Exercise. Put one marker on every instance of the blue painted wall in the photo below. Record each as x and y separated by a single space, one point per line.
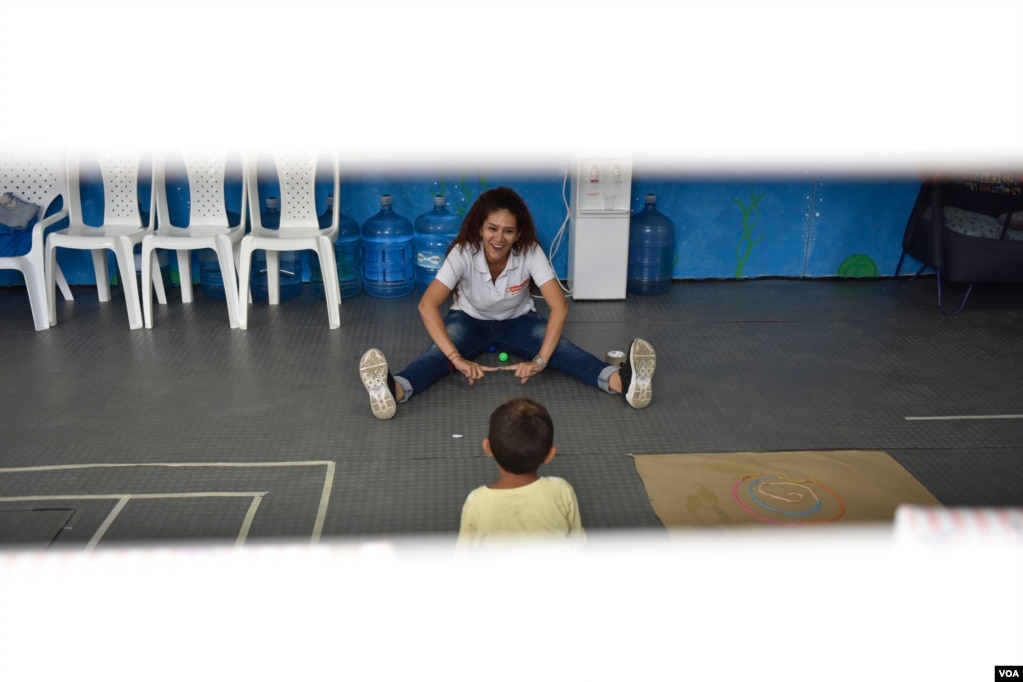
793 227
783 227
725 227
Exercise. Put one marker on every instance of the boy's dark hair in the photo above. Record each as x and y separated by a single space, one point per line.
521 435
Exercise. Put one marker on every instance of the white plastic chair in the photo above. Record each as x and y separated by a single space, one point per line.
121 230
208 228
299 230
37 178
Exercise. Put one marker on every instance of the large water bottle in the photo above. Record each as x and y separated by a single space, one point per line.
651 250
347 252
290 261
291 275
211 280
434 232
388 253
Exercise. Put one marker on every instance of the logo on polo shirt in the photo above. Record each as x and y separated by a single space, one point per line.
518 287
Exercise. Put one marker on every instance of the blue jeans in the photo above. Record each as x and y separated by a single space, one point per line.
520 336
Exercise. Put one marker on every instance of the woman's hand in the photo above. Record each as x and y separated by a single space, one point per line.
523 370
471 370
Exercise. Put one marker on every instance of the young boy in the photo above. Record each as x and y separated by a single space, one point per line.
520 504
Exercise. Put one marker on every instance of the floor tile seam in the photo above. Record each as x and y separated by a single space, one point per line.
952 449
832 448
702 322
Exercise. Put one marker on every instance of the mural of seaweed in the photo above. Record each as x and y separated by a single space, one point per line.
858 265
750 219
461 195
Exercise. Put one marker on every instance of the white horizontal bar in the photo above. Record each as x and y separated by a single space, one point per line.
967 416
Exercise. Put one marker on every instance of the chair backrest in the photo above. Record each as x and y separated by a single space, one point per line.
296 175
119 171
37 178
296 172
206 172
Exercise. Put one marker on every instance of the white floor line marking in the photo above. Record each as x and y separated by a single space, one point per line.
136 496
56 467
122 499
321 512
243 532
107 522
966 416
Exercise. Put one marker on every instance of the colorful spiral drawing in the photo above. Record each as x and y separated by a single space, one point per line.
793 502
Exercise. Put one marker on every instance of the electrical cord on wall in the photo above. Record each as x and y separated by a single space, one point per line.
559 237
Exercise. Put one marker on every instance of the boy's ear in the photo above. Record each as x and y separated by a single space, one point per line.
550 455
486 448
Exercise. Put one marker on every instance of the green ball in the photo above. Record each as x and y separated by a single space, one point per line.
503 357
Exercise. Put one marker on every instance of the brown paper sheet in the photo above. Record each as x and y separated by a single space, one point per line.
781 489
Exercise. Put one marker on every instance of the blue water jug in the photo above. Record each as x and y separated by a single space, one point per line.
388 253
290 261
291 275
347 252
434 231
211 280
651 250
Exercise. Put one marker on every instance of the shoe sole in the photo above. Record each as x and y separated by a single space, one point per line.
373 372
643 360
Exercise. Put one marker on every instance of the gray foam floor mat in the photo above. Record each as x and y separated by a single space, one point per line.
763 365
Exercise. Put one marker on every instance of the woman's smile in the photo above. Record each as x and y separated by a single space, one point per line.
499 233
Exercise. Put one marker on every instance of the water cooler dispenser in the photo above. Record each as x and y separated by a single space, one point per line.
598 247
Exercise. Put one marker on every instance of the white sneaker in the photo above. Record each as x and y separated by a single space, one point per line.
377 380
637 374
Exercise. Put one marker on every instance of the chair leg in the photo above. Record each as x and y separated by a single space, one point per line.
35 282
126 268
225 257
331 285
62 283
185 275
157 277
51 289
99 266
962 304
244 294
148 254
236 247
273 276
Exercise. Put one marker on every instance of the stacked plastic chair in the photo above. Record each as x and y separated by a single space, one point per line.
123 227
299 229
36 178
209 227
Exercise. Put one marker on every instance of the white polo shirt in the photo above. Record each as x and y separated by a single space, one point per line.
504 299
